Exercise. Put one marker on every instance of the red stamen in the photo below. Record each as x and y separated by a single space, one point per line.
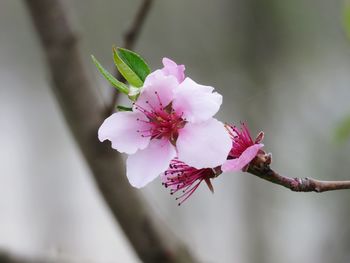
241 139
181 177
163 122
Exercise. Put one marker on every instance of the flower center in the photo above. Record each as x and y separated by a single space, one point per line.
163 122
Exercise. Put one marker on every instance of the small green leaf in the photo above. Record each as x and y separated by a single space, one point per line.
135 62
123 108
346 18
342 132
131 65
108 76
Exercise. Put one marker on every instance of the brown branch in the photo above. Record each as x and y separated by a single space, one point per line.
133 32
260 167
84 114
130 38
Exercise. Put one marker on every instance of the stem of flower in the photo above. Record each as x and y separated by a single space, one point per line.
260 167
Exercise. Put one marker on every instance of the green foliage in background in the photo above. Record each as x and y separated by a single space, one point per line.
342 132
346 18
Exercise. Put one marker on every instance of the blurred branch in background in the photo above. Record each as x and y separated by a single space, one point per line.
130 38
84 114
11 257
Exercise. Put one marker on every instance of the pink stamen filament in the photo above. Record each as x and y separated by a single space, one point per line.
186 195
241 139
181 177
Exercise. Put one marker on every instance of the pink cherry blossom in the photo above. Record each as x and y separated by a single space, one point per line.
171 68
173 116
243 150
185 179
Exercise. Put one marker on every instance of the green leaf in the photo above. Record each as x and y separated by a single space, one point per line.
346 18
123 108
342 132
108 76
131 65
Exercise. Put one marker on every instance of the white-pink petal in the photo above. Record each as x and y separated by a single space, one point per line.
121 129
145 165
196 102
157 92
239 163
171 68
203 145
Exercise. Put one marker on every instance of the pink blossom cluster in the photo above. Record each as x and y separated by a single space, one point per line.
171 131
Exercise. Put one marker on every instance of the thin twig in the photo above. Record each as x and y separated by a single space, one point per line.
260 167
133 32
130 38
84 113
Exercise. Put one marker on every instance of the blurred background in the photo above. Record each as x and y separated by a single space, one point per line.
282 66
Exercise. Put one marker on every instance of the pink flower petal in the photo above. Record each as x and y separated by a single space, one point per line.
145 165
246 157
157 92
153 76
121 129
203 145
196 102
171 68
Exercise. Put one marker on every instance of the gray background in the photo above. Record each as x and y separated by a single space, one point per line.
282 66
